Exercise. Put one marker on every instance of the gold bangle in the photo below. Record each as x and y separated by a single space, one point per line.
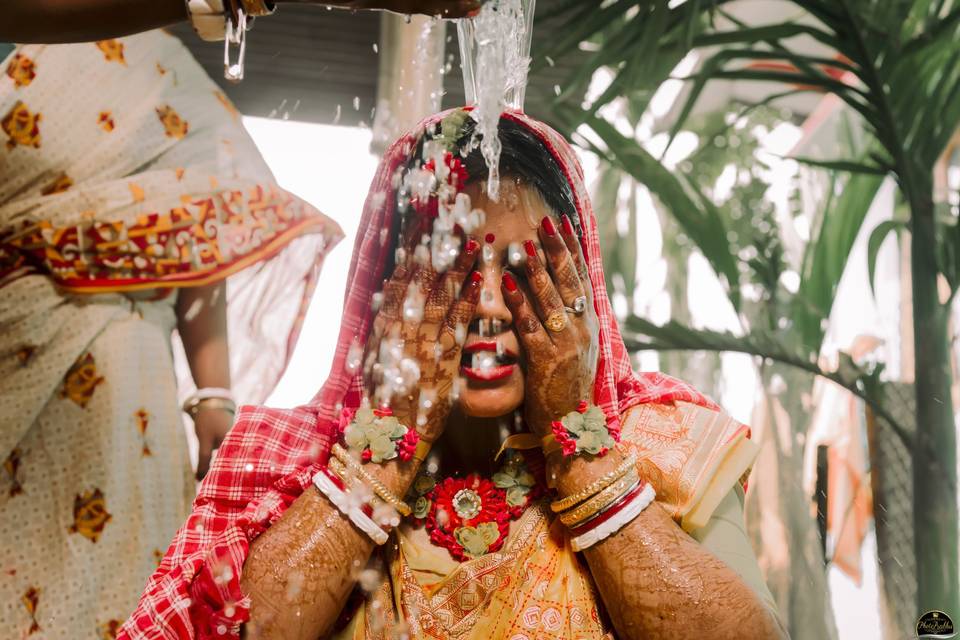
195 407
348 478
379 489
257 7
595 486
600 500
422 450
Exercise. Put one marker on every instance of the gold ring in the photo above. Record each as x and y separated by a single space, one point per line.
556 321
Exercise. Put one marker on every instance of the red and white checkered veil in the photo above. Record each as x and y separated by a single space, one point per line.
270 456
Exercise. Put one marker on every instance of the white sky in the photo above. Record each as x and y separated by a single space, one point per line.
331 167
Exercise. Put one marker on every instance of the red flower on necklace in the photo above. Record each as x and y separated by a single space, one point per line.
470 516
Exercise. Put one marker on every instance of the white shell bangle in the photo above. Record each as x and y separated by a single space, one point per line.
342 501
617 522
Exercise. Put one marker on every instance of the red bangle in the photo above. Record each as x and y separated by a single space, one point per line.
610 511
335 479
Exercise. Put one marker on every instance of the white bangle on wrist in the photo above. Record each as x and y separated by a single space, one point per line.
617 522
341 500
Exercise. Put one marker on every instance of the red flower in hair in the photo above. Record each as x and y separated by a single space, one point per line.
456 177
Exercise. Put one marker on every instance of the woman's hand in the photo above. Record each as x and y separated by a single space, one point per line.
441 8
211 425
560 345
403 337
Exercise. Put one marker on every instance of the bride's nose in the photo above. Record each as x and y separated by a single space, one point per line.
492 305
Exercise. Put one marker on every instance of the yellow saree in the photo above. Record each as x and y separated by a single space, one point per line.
537 586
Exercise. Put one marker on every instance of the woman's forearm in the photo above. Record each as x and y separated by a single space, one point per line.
658 582
301 570
55 21
202 323
59 21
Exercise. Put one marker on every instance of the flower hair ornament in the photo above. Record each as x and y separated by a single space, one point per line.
583 430
378 435
431 189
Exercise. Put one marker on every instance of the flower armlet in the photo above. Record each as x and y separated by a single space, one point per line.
378 435
583 430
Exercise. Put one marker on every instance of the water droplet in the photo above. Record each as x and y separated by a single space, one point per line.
354 357
413 305
515 255
356 103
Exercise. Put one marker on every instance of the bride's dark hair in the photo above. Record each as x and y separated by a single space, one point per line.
524 156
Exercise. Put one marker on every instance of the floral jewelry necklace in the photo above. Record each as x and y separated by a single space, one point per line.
470 517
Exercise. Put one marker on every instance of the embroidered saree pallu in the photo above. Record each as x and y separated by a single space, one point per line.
527 585
124 175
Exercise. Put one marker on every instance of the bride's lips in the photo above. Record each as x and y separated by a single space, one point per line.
488 375
505 362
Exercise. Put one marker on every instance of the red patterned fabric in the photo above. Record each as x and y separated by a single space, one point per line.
270 455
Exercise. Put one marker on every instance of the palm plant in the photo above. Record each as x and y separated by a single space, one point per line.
896 65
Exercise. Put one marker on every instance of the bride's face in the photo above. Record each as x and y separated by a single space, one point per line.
492 371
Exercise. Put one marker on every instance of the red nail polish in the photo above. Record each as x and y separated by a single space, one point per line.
548 226
567 226
530 248
476 277
509 282
489 238
457 229
472 245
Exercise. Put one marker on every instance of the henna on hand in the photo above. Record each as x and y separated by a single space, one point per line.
560 363
430 340
658 582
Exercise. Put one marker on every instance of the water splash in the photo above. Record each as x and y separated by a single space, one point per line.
495 50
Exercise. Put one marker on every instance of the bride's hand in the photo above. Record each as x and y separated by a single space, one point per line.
432 340
560 345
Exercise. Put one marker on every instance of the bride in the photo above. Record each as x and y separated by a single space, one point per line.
487 464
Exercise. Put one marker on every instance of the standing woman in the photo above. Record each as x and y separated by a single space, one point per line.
129 192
